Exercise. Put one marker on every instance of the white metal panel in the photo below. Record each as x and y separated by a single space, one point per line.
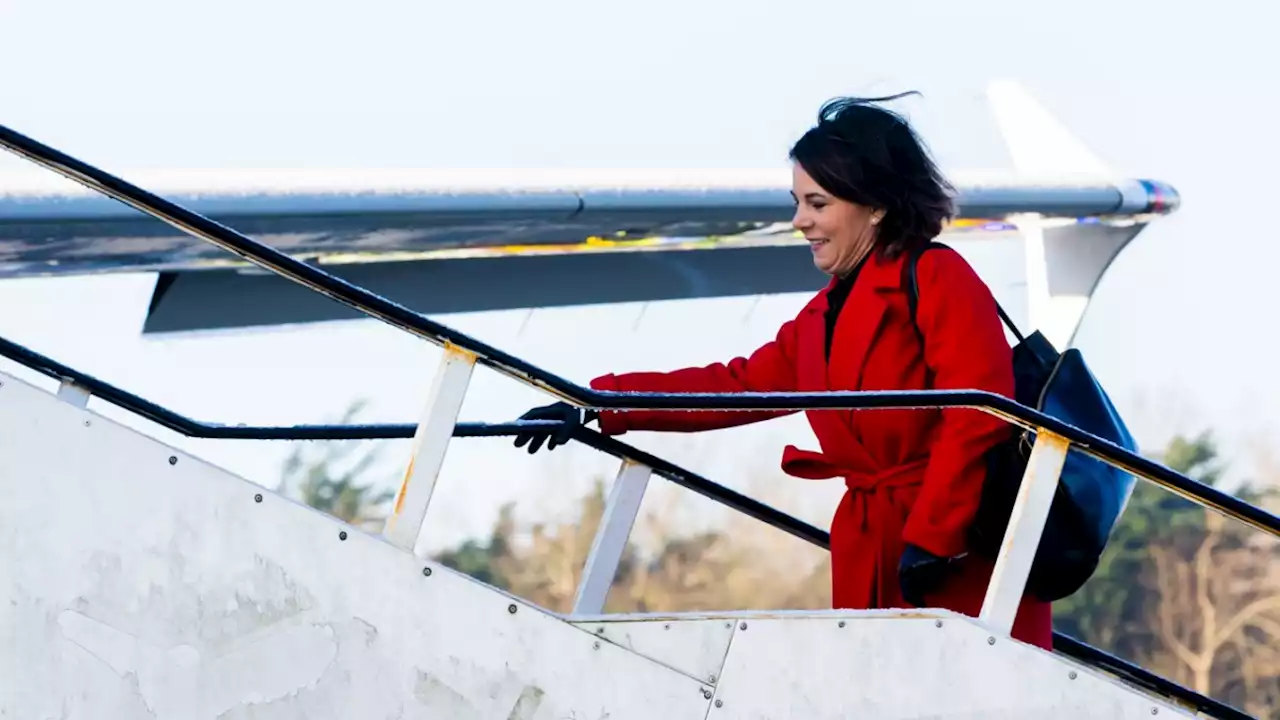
882 666
139 582
695 646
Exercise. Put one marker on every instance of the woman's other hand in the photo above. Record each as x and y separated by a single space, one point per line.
920 572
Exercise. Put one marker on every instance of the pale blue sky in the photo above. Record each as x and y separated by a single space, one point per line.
1183 92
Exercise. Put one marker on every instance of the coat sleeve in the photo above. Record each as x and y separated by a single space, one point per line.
965 348
771 368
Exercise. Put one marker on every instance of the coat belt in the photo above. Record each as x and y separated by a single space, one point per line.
864 487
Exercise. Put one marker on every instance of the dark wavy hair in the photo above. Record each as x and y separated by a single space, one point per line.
868 155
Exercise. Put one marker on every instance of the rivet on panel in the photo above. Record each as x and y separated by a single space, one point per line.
426 572
342 535
706 693
173 459
1155 711
991 641
711 678
743 626
937 623
257 497
719 703
86 423
1072 675
667 626
600 630
840 624
596 645
511 608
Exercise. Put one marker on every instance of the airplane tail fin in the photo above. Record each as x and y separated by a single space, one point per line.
1038 143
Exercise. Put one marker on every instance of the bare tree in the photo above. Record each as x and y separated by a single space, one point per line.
1206 603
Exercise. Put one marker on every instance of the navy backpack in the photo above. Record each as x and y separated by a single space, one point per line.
1091 494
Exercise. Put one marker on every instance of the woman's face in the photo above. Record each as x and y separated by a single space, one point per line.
840 233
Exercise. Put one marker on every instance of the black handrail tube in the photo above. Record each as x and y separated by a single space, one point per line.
707 488
405 319
1176 482
392 431
667 470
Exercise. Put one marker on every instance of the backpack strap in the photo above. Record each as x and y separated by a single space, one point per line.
913 290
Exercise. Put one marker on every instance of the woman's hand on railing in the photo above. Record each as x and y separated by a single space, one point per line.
570 418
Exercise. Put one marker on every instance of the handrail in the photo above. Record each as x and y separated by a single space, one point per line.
192 428
399 316
462 351
716 492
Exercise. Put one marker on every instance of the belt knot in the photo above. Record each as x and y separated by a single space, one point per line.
864 487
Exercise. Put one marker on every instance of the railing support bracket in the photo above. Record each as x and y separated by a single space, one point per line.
619 516
74 393
1022 538
430 443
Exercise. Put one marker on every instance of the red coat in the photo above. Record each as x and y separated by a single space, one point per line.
911 475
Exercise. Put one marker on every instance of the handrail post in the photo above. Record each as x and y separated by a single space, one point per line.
430 442
1022 538
619 516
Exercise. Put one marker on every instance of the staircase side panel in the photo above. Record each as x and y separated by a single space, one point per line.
910 667
139 582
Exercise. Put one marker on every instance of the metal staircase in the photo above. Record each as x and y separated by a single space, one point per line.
443 650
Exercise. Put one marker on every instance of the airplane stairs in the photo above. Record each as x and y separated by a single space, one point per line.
142 582
138 581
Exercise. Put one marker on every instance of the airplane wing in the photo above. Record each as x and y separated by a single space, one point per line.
443 241
452 241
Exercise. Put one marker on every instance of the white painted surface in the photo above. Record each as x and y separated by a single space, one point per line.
139 582
133 588
619 517
905 666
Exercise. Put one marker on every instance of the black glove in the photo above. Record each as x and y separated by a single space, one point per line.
920 572
570 417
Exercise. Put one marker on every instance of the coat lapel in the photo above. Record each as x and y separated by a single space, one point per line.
829 426
811 341
855 333
858 325
856 330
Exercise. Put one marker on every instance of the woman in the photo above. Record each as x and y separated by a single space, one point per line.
867 194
